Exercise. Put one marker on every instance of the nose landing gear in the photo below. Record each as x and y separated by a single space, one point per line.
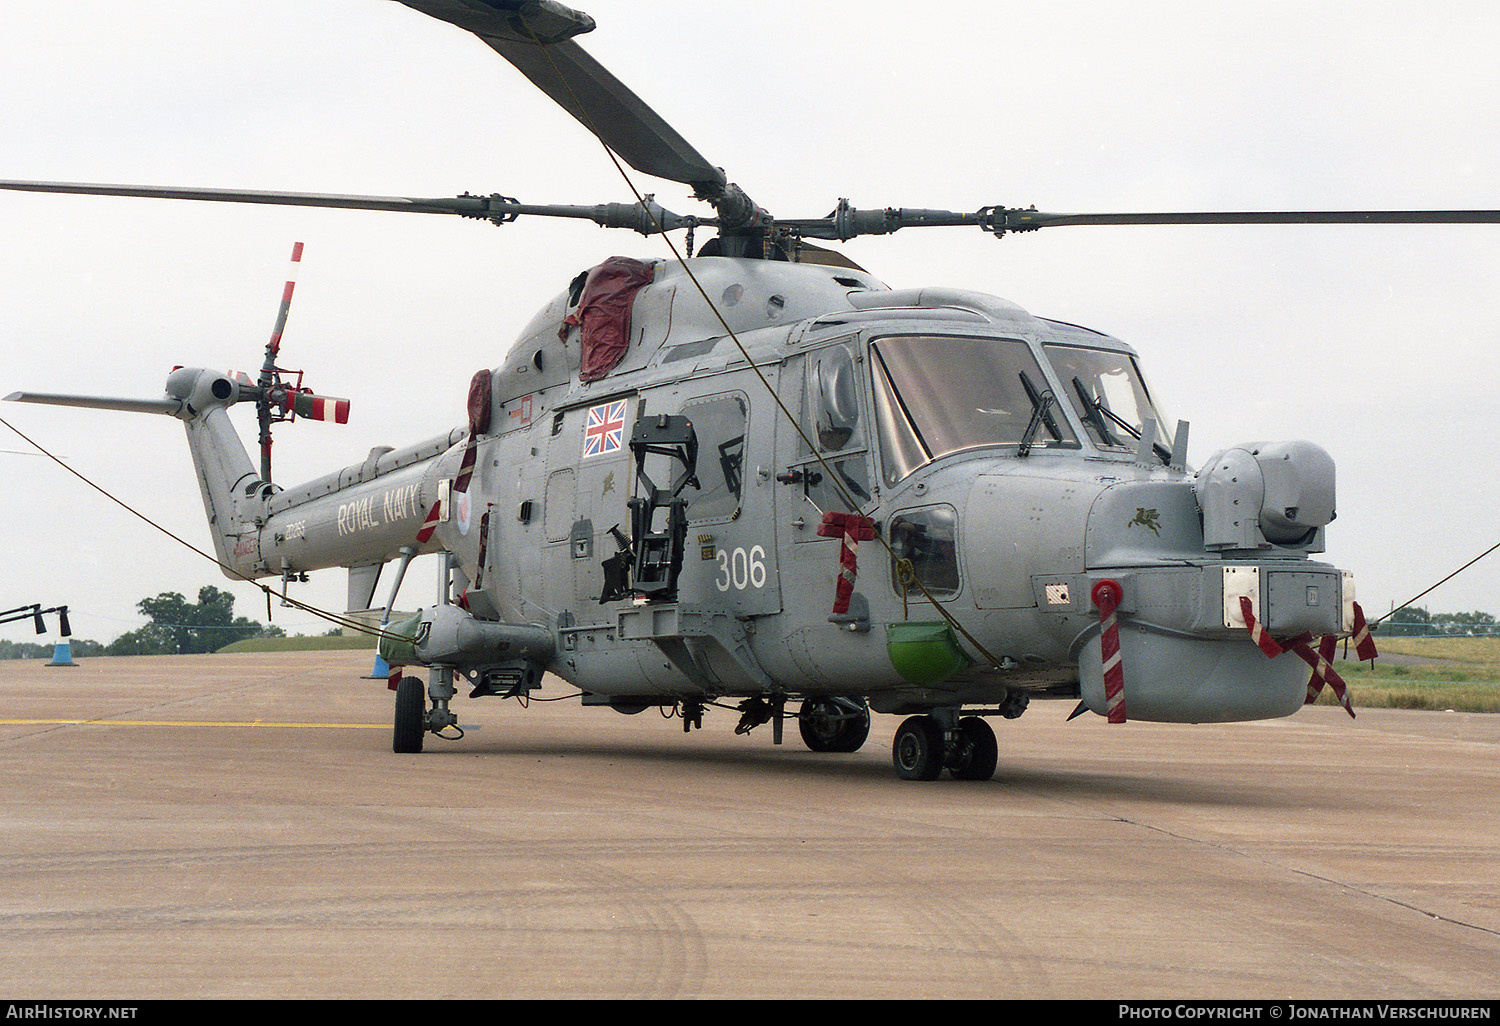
411 716
926 745
413 720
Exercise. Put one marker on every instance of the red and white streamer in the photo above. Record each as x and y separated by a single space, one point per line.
1364 644
479 423
430 524
853 529
1258 632
1321 660
1322 671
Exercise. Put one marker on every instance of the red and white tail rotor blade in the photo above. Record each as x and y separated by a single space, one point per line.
319 407
269 378
274 346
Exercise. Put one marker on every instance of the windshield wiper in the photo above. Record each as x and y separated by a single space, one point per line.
1094 412
1041 405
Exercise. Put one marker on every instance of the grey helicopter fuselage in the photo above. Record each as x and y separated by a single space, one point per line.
763 475
958 423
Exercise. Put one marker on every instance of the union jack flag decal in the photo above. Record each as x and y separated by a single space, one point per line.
604 430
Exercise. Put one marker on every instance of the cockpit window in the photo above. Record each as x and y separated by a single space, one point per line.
833 406
937 395
835 470
1107 392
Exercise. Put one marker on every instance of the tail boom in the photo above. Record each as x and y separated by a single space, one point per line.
364 514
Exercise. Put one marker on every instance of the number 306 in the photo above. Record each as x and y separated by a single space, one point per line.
741 569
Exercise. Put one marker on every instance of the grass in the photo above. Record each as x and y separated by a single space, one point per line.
300 644
1480 651
1462 675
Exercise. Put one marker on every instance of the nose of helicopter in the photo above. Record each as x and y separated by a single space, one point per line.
1181 643
1176 678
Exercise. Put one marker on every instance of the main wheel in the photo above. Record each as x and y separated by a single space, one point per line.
411 716
919 749
976 753
833 724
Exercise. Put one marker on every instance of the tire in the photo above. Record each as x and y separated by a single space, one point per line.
977 752
411 717
834 724
918 750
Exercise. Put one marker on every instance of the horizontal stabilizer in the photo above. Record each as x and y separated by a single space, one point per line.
171 407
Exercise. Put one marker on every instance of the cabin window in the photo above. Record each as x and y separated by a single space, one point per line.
926 540
1106 390
937 395
719 425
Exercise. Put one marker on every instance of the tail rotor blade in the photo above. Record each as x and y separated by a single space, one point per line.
319 407
274 346
268 375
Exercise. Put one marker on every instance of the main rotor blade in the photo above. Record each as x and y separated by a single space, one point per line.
580 85
1003 219
469 206
847 222
499 209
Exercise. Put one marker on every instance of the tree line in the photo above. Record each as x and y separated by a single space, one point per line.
176 627
1416 622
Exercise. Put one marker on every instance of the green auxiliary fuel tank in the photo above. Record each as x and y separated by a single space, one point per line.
924 653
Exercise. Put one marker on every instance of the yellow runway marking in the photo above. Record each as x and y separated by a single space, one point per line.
191 723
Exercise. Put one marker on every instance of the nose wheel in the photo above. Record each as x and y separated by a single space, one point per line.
975 752
411 716
925 746
413 719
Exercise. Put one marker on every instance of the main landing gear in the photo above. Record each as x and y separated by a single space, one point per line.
926 745
834 724
826 723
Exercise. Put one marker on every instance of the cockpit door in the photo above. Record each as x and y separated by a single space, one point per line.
824 466
828 461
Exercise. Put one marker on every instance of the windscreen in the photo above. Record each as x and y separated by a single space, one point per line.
937 395
1106 390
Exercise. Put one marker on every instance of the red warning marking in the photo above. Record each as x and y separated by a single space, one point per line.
1107 595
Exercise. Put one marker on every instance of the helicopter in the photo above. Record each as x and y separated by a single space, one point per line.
793 484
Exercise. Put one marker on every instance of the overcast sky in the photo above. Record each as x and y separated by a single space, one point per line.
1379 343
